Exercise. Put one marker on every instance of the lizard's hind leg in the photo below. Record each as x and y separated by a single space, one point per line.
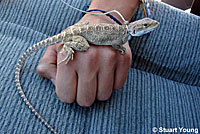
69 55
78 43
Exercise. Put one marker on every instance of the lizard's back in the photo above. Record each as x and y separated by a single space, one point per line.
100 34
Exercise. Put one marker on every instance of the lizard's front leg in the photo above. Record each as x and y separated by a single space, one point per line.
118 44
121 48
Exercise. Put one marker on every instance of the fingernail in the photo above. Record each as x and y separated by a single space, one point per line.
53 81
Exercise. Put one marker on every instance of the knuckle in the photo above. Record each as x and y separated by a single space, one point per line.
41 69
104 97
118 86
65 98
111 55
92 58
93 54
126 59
86 103
110 58
104 92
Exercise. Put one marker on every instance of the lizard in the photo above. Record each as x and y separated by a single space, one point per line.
78 37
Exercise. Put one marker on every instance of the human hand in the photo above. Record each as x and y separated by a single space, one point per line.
92 74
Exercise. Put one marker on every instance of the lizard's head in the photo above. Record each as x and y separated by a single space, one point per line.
142 26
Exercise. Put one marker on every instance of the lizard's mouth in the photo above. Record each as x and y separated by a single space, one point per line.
142 26
142 31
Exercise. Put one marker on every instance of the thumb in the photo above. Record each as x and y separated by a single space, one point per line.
47 66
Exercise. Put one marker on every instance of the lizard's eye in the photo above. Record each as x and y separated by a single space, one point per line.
145 25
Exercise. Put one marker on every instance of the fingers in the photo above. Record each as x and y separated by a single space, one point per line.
87 76
91 75
87 88
106 75
105 85
66 81
122 68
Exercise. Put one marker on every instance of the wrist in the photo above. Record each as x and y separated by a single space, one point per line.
126 7
93 19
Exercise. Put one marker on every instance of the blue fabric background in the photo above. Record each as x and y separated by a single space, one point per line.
162 89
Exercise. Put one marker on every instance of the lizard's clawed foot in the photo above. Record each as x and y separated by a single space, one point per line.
123 50
70 54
